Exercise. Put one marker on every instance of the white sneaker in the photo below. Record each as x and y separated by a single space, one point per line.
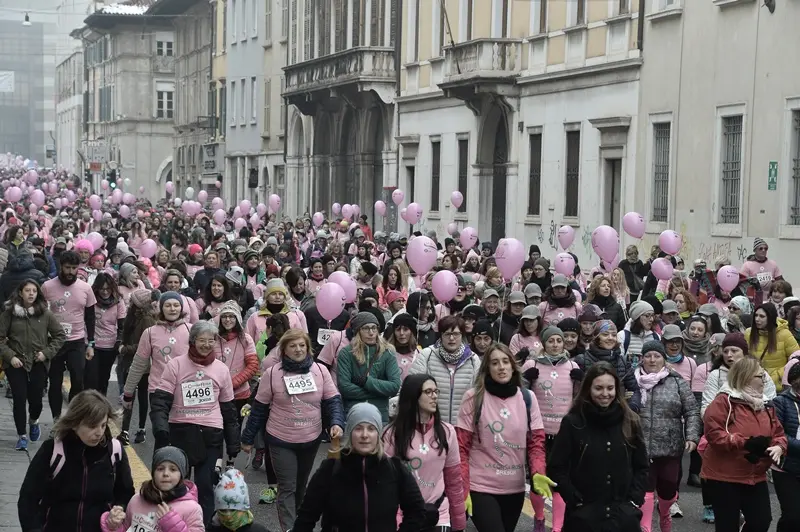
675 510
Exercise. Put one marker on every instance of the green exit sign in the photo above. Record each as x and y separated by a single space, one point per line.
772 180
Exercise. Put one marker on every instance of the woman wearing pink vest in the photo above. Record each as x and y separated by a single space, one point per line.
527 336
237 351
292 398
275 295
554 380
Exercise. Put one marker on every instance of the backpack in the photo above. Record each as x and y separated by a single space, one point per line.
57 458
626 341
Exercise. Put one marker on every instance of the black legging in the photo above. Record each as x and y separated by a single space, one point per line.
489 511
98 370
787 487
144 403
71 356
26 387
729 498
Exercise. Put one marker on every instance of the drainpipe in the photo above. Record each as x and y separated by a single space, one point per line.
398 39
640 29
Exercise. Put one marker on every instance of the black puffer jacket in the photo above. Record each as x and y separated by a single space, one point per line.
19 268
86 486
506 327
336 494
612 309
787 404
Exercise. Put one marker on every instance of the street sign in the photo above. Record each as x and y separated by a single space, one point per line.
772 182
96 167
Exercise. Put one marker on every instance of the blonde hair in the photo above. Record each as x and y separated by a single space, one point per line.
377 451
292 335
591 292
742 372
89 408
620 287
494 272
358 348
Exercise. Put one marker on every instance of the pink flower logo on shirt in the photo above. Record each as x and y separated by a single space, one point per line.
227 350
554 374
505 413
199 375
67 293
424 448
404 361
560 316
173 341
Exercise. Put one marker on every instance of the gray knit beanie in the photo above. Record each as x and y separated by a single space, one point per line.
654 345
363 318
174 455
362 413
551 331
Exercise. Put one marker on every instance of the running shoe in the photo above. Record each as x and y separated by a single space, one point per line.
22 444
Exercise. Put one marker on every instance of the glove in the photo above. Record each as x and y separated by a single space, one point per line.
577 374
361 380
468 505
541 485
245 411
523 354
754 282
757 445
531 374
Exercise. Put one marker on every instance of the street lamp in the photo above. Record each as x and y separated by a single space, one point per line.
27 21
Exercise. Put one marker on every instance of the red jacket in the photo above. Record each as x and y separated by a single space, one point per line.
729 422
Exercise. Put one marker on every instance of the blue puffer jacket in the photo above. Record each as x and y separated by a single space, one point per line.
787 406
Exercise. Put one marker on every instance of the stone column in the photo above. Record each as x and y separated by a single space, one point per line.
481 202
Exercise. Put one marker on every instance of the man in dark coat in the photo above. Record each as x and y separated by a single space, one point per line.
19 268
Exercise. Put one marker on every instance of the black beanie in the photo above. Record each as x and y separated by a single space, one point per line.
484 327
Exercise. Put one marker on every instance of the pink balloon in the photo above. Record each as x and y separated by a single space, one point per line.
380 208
565 264
605 242
52 187
509 256
336 208
468 237
457 198
670 242
141 190
347 211
566 235
403 213
32 177
148 248
202 196
413 213
255 221
95 202
330 301
37 198
452 228
444 285
95 238
219 217
347 283
170 187
116 196
127 198
237 212
217 203
261 209
608 266
421 254
398 196
239 223
97 215
139 213
104 184
245 207
218 184
356 209
317 219
275 202
14 194
125 211
633 224
728 278
662 269
57 203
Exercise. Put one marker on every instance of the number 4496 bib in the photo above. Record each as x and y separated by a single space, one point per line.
197 393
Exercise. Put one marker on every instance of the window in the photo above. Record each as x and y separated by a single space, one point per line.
214 28
731 168
267 105
325 28
415 55
233 103
340 19
576 13
377 22
573 172
463 171
283 104
392 19
308 30
468 21
623 7
212 104
254 16
534 174
661 157
164 48
436 173
794 211
242 100
223 110
165 100
539 17
359 7
442 23
253 100
284 18
293 37
234 27
224 27
268 21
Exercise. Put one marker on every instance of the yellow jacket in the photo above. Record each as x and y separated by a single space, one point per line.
774 361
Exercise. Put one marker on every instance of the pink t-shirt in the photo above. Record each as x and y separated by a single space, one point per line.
257 323
427 465
232 352
296 417
553 390
105 331
197 391
765 272
497 461
533 343
161 344
126 291
330 351
404 362
68 303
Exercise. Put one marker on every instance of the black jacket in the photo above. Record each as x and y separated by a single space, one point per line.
598 473
86 486
594 354
19 268
254 527
203 277
612 309
786 408
315 322
506 327
336 494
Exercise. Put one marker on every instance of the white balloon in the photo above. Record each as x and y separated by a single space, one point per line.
127 182
177 202
189 193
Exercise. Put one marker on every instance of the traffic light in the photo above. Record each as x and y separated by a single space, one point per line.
88 175
112 179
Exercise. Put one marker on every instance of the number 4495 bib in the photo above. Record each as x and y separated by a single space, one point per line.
297 384
197 393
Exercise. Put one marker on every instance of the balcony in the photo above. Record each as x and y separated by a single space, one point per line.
163 64
345 76
482 67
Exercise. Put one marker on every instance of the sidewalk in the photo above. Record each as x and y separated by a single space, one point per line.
14 464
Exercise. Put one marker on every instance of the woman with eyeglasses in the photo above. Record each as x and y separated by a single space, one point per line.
452 363
637 331
367 368
429 447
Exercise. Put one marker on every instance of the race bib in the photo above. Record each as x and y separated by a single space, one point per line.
324 336
764 277
67 328
143 523
297 384
197 393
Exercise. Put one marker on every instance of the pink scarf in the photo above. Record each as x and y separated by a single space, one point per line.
648 381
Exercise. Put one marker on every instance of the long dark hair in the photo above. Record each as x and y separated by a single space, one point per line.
405 424
771 330
385 281
39 304
104 279
630 421
227 295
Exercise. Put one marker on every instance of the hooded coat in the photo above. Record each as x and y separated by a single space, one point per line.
19 268
774 361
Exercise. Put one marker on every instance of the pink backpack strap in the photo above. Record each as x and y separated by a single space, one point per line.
57 458
116 452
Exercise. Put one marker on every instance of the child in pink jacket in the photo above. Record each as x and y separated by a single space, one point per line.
167 503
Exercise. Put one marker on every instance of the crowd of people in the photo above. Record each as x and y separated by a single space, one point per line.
586 389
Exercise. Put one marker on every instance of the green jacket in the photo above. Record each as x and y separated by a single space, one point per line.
23 337
383 380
